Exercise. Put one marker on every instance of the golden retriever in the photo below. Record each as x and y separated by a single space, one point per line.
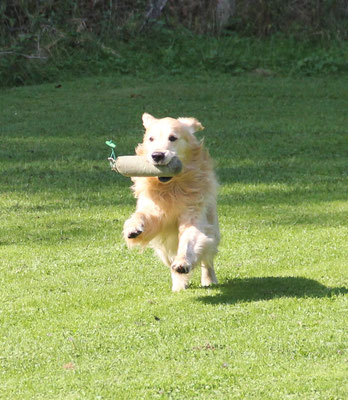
176 216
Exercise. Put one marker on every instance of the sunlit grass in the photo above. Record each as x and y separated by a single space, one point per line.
82 317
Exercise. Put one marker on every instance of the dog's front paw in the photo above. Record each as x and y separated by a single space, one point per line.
181 267
132 229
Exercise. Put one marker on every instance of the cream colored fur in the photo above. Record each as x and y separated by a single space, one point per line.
177 218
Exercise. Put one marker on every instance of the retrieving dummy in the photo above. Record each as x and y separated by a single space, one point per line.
139 166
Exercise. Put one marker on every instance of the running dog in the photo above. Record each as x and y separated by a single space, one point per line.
176 216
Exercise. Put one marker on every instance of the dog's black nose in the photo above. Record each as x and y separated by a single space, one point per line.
157 156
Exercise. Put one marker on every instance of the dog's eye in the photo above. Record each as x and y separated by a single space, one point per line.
151 139
172 138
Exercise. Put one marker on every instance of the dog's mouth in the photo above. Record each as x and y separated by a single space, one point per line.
164 179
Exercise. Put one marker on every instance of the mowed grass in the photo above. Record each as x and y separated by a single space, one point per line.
82 317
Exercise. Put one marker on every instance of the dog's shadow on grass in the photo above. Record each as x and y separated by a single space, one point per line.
268 288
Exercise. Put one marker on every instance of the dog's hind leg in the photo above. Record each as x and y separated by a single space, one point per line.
208 276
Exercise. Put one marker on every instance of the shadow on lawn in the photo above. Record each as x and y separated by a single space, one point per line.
267 288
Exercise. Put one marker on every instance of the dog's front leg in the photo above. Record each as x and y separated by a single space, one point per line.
192 243
140 228
143 225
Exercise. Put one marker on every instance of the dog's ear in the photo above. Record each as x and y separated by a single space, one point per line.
148 120
192 124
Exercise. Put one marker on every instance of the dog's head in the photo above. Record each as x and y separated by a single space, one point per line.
168 137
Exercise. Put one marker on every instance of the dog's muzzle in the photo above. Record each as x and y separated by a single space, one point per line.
158 156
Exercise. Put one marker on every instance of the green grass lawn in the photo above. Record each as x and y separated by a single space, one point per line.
82 317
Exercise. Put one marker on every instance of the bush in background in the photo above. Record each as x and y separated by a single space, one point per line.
49 40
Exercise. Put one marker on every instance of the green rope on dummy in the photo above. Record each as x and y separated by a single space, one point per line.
111 144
